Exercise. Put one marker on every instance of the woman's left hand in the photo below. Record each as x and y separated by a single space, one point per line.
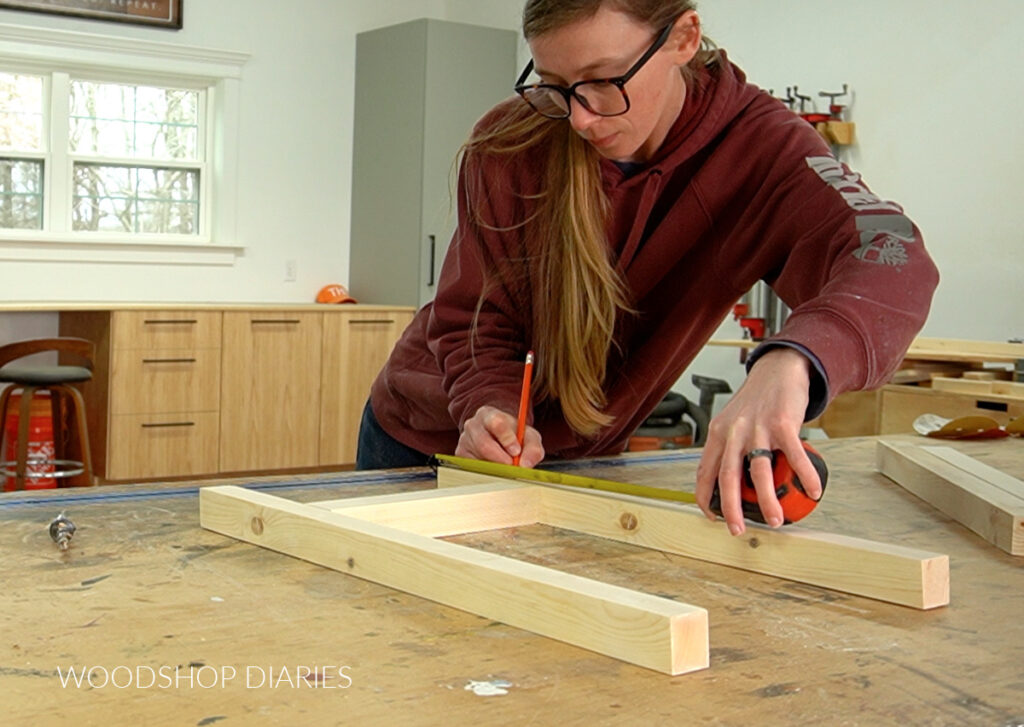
766 413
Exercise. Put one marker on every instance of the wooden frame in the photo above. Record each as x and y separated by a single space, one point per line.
157 13
391 540
982 498
904 576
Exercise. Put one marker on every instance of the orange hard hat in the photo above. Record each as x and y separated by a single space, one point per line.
334 293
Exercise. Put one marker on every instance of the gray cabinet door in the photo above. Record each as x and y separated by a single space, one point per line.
420 87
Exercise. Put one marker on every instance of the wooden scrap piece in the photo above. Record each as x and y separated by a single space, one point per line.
979 387
912 371
653 632
972 387
982 375
1008 388
952 349
985 500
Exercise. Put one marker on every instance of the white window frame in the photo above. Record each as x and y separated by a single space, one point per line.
59 55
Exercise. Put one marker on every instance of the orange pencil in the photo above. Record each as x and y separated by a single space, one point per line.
524 404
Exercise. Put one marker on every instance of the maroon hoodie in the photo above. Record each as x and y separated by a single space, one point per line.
741 190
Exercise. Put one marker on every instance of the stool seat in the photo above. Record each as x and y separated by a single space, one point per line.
42 375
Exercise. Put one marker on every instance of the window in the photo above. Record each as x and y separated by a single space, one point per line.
114 143
132 160
21 174
138 161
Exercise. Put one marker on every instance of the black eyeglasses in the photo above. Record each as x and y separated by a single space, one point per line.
604 97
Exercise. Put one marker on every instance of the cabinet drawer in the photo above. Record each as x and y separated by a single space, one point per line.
164 380
184 329
162 445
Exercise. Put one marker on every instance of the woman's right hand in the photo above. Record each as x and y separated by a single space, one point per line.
490 434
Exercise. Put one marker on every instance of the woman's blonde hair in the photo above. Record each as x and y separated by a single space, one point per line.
576 293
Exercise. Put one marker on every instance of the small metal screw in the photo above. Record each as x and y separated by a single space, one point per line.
257 525
628 521
61 529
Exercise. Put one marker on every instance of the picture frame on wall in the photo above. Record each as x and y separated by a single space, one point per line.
155 13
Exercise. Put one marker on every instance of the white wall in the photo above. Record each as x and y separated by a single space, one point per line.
293 197
493 13
937 107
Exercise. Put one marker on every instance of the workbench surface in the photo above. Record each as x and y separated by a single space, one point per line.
145 595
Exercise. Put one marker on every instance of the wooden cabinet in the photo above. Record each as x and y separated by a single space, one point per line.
356 345
213 390
154 403
419 89
270 391
899 406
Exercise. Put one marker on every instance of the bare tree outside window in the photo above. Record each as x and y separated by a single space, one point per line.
21 132
126 123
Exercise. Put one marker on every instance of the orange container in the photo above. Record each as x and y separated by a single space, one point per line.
648 444
41 450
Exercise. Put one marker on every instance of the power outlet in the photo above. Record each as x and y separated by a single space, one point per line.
291 270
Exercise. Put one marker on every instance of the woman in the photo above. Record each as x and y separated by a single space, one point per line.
609 218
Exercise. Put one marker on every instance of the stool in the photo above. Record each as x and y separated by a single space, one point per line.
55 379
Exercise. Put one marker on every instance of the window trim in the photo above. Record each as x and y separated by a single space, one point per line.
218 72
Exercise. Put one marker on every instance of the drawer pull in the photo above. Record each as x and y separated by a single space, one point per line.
367 321
433 255
992 405
168 424
255 321
168 360
169 321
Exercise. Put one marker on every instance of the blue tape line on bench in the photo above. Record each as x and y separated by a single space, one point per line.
85 496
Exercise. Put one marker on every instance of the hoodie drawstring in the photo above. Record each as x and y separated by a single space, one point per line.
652 187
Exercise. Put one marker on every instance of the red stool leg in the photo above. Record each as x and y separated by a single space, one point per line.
83 431
5 401
27 392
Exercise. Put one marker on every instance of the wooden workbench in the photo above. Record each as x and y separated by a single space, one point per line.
143 587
